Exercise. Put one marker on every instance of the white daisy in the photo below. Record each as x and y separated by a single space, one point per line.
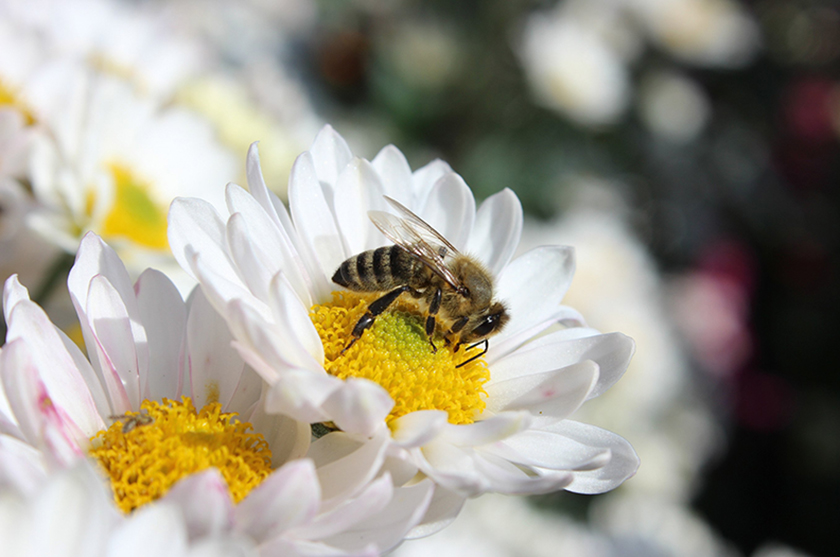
70 515
110 162
497 424
149 349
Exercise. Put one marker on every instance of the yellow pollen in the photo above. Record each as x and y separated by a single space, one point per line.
135 214
395 353
169 441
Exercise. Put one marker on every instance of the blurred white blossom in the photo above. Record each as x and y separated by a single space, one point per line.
673 105
573 69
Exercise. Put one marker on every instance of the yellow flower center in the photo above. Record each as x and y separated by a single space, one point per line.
146 452
135 215
395 353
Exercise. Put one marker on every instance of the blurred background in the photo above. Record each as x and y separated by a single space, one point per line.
688 149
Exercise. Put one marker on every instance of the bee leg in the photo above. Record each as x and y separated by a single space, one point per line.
434 307
486 344
374 308
456 328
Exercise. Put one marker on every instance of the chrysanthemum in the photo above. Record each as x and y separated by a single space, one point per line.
70 515
497 424
167 410
110 162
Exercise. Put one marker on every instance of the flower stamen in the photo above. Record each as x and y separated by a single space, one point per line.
170 441
395 353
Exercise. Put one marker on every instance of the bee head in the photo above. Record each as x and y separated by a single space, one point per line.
487 324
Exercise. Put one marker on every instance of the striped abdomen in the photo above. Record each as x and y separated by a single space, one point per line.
378 269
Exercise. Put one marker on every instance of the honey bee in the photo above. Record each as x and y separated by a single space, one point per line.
455 289
132 421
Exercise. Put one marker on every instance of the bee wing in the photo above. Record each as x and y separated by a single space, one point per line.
422 242
423 228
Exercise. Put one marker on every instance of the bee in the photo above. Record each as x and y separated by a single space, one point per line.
455 289
132 421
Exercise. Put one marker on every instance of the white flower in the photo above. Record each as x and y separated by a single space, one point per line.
111 162
573 69
716 33
673 106
70 515
267 272
148 345
112 37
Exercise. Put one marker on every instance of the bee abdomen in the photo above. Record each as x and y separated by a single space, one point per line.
375 270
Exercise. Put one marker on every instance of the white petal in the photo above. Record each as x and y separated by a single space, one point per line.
499 348
623 461
257 186
13 292
424 179
74 512
220 291
532 285
45 350
299 394
370 501
359 407
495 428
612 352
289 439
196 227
21 466
346 464
283 547
251 263
274 342
417 428
358 191
268 241
223 547
90 377
549 450
114 340
246 394
39 419
443 509
388 527
290 496
151 530
163 313
95 257
313 217
330 154
214 367
205 501
504 477
555 393
450 209
453 467
498 227
293 313
395 174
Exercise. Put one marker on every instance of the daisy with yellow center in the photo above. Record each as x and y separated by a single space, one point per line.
166 411
497 424
113 161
